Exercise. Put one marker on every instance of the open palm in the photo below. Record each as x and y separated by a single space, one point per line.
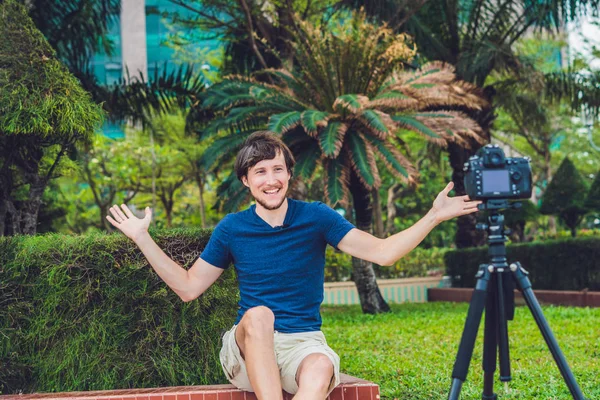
446 207
124 220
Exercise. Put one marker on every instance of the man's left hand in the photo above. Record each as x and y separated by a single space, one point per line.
445 207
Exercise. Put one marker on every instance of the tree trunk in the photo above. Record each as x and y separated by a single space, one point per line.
371 300
31 208
3 214
377 214
200 183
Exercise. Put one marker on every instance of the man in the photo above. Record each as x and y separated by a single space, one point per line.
278 249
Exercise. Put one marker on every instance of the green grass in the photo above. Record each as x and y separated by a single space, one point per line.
410 352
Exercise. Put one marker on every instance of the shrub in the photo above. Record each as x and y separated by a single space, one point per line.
88 313
567 264
565 196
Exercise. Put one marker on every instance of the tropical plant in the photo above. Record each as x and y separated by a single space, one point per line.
341 108
566 196
44 114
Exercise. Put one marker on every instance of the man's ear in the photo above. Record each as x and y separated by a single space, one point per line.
245 181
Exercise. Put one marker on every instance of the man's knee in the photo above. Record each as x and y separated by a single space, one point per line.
316 370
258 321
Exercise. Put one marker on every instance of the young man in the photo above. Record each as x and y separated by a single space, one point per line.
278 249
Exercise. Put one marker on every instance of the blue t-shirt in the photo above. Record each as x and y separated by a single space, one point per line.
282 267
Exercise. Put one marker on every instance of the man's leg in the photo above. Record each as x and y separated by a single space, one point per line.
314 377
254 336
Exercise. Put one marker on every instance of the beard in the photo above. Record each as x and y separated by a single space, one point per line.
269 207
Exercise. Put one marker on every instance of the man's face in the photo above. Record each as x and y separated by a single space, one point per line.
268 182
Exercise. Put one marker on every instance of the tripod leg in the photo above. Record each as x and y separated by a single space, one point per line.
525 286
490 342
503 349
467 341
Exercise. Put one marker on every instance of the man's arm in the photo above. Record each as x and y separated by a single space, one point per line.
387 251
188 284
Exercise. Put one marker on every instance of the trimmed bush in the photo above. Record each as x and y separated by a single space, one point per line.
567 264
89 313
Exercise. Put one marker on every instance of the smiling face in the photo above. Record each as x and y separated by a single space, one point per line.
268 182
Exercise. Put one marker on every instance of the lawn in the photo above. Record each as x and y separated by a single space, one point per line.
410 352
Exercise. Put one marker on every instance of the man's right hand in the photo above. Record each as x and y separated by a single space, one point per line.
132 226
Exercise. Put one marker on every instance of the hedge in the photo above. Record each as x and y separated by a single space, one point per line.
566 264
88 313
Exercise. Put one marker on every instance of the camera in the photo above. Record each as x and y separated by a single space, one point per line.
491 175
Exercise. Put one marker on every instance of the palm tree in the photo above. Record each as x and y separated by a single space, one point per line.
343 109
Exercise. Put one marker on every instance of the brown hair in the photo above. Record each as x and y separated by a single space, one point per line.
261 145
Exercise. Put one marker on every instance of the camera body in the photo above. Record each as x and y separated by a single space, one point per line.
491 175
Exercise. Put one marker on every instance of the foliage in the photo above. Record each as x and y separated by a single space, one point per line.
255 35
566 195
592 201
343 106
44 113
566 264
410 351
39 96
73 305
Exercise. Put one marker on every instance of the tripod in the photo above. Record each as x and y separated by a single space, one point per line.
494 291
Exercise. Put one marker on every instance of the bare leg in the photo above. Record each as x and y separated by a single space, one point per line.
254 336
314 377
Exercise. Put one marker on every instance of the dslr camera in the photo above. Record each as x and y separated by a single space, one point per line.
491 175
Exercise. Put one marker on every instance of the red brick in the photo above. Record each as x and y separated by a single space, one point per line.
238 395
197 396
210 396
224 395
250 396
364 393
350 393
375 392
158 396
183 396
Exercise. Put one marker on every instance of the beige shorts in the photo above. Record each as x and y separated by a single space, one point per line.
290 350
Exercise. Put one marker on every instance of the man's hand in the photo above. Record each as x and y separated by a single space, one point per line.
445 208
124 220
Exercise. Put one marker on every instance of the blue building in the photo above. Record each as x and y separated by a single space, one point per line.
139 35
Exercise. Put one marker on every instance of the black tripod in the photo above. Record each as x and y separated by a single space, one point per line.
494 290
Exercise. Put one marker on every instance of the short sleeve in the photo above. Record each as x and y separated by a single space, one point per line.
217 251
335 227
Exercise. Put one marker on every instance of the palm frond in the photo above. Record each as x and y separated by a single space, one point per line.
222 148
336 182
331 138
231 194
377 122
362 160
312 120
393 100
395 161
411 123
307 160
352 103
452 125
281 123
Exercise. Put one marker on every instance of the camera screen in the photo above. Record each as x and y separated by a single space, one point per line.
496 181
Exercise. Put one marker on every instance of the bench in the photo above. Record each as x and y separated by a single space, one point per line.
350 388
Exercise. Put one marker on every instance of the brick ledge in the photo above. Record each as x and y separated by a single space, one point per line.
350 388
